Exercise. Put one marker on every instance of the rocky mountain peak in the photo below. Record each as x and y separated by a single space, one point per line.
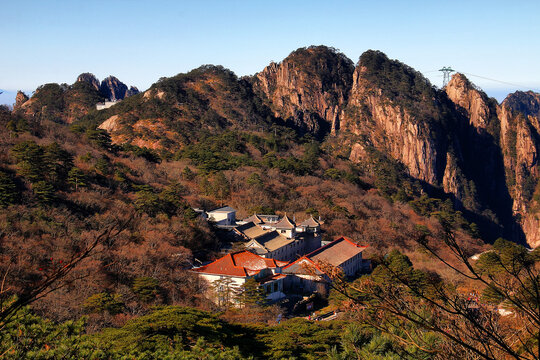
89 78
469 100
395 108
113 89
20 99
527 103
308 88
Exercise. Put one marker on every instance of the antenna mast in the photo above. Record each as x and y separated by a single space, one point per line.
446 72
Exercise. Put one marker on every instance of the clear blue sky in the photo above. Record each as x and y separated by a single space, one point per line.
141 41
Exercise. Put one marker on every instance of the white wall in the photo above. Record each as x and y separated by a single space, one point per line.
222 218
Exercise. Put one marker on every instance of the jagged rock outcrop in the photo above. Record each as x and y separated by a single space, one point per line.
308 89
472 102
20 99
89 78
113 89
520 140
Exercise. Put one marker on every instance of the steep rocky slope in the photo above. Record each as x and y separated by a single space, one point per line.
479 136
308 88
519 114
394 109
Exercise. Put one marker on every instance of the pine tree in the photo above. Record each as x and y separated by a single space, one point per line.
225 291
30 160
188 174
76 177
8 189
44 192
58 163
221 188
250 294
204 186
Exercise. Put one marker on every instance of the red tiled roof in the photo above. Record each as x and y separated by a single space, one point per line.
242 264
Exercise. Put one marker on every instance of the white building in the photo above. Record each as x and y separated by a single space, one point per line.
225 216
105 105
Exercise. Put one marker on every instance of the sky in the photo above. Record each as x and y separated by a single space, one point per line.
495 43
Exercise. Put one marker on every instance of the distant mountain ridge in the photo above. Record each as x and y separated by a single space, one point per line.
111 88
68 103
456 140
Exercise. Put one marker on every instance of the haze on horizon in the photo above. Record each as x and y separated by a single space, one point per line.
139 42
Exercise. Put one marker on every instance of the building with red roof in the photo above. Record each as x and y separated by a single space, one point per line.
305 274
234 269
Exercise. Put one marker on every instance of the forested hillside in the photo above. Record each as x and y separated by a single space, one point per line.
98 205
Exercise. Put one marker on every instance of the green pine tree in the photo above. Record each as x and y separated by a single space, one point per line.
44 192
188 174
250 294
221 188
8 189
146 288
76 178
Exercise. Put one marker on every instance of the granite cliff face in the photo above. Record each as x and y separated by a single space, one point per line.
470 101
308 89
520 140
393 108
479 137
